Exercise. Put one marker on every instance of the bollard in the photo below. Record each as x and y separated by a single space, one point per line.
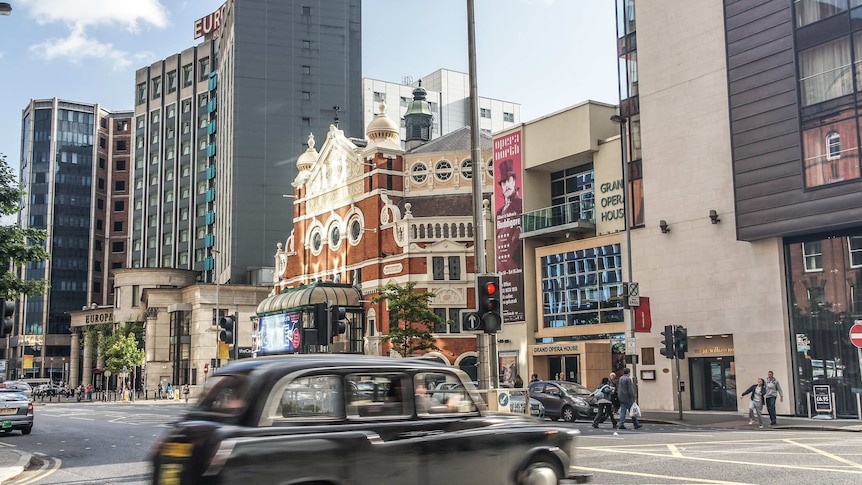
808 403
834 407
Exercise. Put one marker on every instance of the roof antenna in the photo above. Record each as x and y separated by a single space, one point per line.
337 109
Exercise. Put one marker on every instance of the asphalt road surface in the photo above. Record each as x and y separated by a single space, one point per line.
93 443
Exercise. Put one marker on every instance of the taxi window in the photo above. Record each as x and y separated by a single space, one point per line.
225 394
374 395
310 397
442 393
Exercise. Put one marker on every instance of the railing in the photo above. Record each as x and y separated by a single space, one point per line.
557 215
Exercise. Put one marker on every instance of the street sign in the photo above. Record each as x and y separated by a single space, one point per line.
206 368
633 294
471 320
856 334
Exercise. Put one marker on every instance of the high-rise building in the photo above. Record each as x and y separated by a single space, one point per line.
217 128
448 95
743 122
75 167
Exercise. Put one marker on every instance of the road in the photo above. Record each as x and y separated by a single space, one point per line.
93 443
108 443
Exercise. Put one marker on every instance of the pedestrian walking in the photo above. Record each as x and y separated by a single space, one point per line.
758 396
170 390
615 398
161 389
606 408
628 396
186 393
773 390
89 392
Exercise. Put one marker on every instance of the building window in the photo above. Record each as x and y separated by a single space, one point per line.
306 44
438 270
316 242
306 69
118 247
120 186
443 170
119 206
118 226
103 143
100 204
355 229
454 268
467 169
825 72
306 11
334 237
509 117
810 11
142 93
172 81
154 117
171 111
378 96
120 165
419 172
573 192
404 101
187 105
484 112
306 95
204 68
157 87
855 245
188 72
812 255
833 146
122 145
306 121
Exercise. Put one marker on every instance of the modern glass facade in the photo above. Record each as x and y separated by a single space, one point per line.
824 281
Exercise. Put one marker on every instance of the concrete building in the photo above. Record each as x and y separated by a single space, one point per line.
448 95
75 165
747 221
218 125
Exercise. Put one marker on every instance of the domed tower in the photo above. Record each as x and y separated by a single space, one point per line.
382 127
309 157
418 118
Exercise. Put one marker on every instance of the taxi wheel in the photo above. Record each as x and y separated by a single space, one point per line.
569 414
539 472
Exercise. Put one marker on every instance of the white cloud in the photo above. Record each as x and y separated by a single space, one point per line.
77 47
85 13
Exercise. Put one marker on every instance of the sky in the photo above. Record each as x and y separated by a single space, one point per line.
544 54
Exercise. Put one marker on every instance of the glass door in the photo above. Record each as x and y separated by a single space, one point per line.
713 383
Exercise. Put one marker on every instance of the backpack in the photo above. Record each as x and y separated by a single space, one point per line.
603 392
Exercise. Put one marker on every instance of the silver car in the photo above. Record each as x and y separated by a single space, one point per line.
16 411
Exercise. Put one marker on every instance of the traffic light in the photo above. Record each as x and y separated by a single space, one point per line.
680 341
488 302
337 320
668 350
228 329
6 323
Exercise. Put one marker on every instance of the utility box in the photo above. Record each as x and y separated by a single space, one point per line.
498 400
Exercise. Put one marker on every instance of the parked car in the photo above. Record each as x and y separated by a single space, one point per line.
19 386
517 403
296 419
564 400
16 411
47 390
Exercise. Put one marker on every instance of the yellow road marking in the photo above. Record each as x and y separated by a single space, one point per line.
713 460
653 475
43 473
674 450
825 453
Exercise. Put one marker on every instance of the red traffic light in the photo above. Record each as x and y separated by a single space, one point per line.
490 288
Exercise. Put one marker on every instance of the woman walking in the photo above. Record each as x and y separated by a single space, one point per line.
758 397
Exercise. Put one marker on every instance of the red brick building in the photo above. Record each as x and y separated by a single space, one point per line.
369 213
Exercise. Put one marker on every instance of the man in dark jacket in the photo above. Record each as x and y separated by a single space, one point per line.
628 396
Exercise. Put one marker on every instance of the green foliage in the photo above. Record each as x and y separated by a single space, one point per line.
18 246
121 349
411 320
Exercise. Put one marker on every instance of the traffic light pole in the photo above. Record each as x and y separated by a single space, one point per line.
678 388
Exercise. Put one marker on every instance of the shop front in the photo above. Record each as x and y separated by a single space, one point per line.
584 362
712 373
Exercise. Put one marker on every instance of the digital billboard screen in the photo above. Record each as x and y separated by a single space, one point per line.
280 334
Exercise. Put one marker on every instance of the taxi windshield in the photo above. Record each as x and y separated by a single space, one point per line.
225 394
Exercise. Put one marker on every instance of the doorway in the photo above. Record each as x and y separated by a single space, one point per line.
566 366
713 381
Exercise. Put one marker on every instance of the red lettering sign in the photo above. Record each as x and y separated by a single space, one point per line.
210 23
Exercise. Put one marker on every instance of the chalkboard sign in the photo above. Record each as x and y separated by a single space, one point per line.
822 399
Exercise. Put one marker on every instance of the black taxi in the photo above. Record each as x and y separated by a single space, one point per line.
348 419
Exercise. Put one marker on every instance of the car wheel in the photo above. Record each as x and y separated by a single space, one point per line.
540 472
569 414
27 430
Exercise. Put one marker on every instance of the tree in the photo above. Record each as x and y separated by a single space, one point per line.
18 246
122 350
411 321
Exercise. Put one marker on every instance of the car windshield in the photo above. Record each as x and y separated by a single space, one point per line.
573 388
225 394
12 396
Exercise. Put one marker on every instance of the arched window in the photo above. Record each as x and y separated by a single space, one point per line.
833 146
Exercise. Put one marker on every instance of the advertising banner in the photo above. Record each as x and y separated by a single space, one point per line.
280 334
508 365
508 204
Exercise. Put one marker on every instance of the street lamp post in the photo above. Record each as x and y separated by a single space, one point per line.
218 288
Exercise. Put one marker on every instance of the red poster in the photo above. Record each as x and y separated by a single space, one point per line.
508 205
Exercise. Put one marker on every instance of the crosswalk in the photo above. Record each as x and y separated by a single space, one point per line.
133 416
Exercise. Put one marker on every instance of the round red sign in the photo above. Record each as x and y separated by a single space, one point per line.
296 339
856 335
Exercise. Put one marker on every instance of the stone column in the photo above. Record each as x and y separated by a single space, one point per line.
87 377
74 358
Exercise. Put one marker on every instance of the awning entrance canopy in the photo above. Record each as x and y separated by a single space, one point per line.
340 294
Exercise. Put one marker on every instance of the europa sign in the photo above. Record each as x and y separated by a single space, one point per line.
210 23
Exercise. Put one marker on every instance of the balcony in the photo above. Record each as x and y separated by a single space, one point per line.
573 217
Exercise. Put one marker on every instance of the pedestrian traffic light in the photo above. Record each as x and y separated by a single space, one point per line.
228 329
337 320
680 339
7 307
488 302
668 350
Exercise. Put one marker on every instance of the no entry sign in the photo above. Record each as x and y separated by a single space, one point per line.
856 334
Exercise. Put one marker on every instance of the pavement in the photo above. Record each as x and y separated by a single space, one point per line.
13 462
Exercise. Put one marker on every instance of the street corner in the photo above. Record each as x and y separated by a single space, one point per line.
13 463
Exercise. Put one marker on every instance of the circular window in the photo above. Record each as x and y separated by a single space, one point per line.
467 169
316 242
420 173
355 230
443 170
335 237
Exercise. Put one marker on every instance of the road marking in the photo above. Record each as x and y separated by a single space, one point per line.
43 471
653 475
713 460
674 450
825 453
